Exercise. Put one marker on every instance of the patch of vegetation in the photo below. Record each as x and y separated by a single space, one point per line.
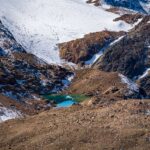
79 97
58 98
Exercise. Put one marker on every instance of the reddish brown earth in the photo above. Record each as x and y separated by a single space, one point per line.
130 18
120 11
80 50
104 86
122 125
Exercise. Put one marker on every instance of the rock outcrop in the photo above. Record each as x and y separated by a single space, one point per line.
130 18
129 4
141 6
80 50
130 55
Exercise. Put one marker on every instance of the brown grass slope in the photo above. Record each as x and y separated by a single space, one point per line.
104 86
80 50
122 125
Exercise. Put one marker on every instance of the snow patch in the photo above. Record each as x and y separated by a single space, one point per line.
67 81
117 40
133 87
139 20
145 73
100 53
7 114
94 58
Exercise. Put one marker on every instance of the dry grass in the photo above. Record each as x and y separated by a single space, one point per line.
123 125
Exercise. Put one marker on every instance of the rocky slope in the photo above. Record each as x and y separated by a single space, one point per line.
121 125
30 107
137 5
81 50
129 55
130 18
9 109
142 6
113 75
23 75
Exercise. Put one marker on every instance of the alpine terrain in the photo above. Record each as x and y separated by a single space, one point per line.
75 74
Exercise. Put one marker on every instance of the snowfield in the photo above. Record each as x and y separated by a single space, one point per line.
39 25
7 114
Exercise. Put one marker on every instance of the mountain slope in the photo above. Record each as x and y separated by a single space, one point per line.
112 66
83 49
122 125
41 24
130 55
103 87
137 5
23 75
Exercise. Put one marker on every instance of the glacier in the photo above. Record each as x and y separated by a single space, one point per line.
39 25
